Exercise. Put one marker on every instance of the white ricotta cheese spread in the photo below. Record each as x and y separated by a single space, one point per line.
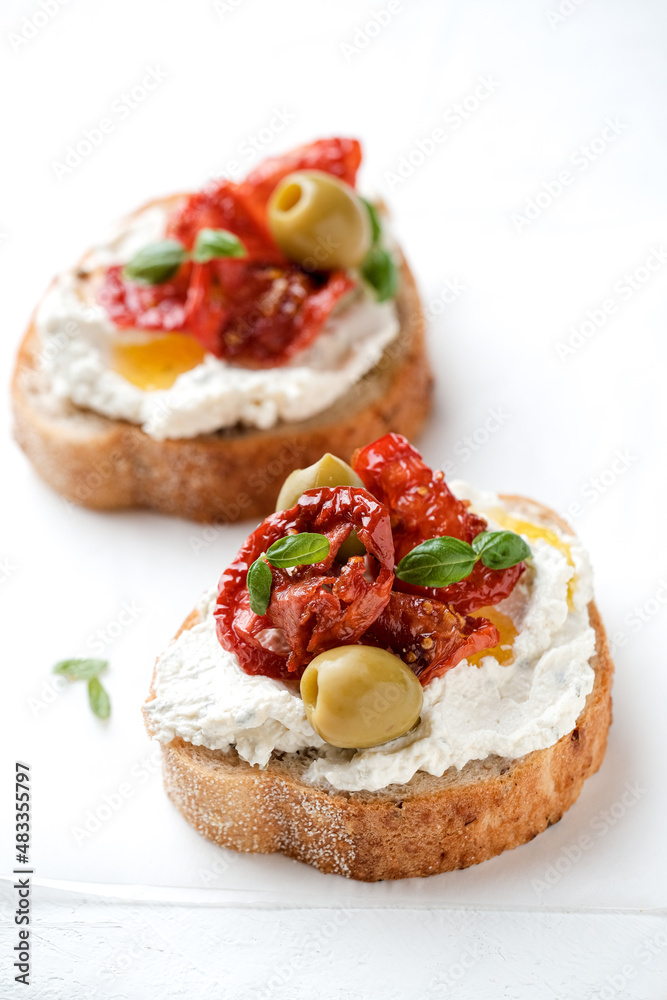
469 713
78 336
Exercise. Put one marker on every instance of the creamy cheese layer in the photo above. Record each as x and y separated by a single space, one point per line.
471 712
78 339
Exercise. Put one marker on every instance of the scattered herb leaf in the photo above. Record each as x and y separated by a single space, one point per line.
98 698
80 670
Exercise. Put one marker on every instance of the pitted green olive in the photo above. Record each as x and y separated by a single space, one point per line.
329 471
360 696
319 221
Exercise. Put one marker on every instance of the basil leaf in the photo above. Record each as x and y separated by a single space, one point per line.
298 550
259 582
80 670
99 699
437 562
156 263
500 549
212 243
376 225
380 271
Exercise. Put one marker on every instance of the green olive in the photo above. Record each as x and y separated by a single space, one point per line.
329 471
360 696
319 221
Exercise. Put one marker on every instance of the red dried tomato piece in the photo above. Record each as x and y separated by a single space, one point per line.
145 307
258 310
340 157
253 314
313 608
224 206
430 637
422 506
258 315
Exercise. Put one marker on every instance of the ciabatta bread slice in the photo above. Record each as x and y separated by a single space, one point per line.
108 464
426 826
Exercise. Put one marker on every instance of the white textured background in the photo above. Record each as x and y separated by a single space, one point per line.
584 432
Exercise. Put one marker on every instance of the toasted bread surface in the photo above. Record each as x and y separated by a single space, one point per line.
226 476
426 826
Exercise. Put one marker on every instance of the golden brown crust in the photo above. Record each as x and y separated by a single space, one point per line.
426 826
108 464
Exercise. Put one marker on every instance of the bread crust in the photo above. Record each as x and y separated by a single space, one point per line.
230 475
427 826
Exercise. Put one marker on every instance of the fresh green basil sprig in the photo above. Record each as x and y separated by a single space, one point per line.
88 670
378 268
158 262
211 243
437 562
302 549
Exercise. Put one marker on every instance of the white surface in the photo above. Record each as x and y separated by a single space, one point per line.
97 948
511 415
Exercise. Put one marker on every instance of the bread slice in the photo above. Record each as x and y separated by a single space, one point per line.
107 464
429 825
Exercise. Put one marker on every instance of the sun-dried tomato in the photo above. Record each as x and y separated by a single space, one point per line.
430 637
258 310
223 205
260 315
145 307
312 608
422 506
340 157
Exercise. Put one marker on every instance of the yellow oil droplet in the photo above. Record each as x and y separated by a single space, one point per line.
504 651
533 532
157 363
